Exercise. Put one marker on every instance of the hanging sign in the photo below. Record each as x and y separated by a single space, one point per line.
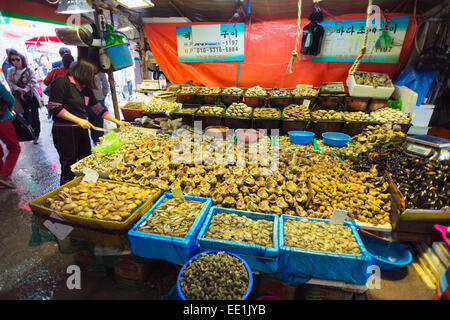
344 38
212 42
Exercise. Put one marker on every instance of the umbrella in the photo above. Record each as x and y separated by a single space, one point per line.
40 40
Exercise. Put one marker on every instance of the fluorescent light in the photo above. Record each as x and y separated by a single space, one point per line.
125 29
73 7
136 4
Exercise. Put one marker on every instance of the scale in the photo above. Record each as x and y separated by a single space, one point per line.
434 148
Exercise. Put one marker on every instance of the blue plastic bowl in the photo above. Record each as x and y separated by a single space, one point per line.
389 256
300 137
247 267
335 139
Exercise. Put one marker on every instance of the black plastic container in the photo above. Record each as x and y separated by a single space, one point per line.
187 118
237 122
228 99
294 125
321 126
352 128
210 120
188 98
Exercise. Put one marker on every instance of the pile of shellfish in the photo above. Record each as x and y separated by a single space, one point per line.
320 236
173 217
230 226
100 200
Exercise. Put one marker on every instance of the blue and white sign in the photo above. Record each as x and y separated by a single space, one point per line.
214 42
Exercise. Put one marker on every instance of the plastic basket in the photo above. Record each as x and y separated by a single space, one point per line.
107 238
228 99
168 248
39 206
237 122
288 124
189 98
330 101
209 120
352 128
321 126
376 104
356 104
280 102
131 114
299 265
259 258
255 101
249 272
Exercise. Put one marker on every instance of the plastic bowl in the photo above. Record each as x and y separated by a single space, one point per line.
250 135
247 267
301 137
389 256
335 139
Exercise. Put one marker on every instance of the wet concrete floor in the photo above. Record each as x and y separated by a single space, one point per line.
40 272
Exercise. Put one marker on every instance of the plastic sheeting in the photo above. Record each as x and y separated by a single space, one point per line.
268 49
259 258
171 249
300 265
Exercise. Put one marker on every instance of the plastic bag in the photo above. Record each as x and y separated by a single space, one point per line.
418 81
110 143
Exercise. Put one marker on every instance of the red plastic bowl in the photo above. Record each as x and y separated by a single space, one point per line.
250 135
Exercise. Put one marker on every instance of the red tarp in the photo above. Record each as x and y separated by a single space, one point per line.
268 49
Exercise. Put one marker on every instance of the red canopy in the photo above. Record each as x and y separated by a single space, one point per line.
42 40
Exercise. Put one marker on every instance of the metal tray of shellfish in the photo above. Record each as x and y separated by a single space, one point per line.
40 207
252 235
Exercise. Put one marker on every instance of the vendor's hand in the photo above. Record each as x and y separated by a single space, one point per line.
85 124
22 91
124 124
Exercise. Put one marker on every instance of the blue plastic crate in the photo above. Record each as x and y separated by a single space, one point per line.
168 248
259 258
300 265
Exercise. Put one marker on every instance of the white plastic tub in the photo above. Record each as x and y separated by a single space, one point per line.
361 91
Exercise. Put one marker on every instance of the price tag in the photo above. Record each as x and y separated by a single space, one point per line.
177 193
61 231
90 175
306 103
338 216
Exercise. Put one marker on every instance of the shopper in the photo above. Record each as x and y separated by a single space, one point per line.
67 60
42 72
22 81
100 94
69 97
62 51
9 138
6 65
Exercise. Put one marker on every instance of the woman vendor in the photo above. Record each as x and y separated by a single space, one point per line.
69 98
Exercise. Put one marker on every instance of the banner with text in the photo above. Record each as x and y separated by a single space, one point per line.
344 38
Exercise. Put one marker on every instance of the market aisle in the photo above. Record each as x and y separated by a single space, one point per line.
21 265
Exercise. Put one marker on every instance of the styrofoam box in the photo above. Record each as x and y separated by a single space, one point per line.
168 248
361 91
259 258
423 115
298 265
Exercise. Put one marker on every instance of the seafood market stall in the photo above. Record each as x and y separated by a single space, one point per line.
253 205
291 180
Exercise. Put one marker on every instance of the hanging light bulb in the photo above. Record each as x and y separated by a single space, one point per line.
73 7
